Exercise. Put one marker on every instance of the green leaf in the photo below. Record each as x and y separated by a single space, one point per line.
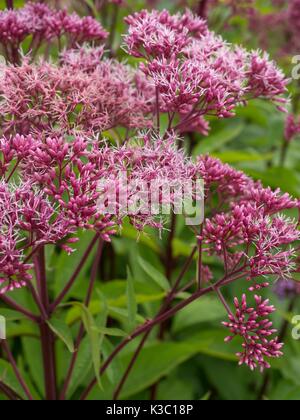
22 328
291 369
231 381
131 300
206 396
11 315
237 156
8 377
115 332
114 369
206 309
154 274
211 343
115 312
95 338
65 264
286 179
181 248
122 315
63 332
130 232
154 362
180 384
218 140
32 352
82 367
285 391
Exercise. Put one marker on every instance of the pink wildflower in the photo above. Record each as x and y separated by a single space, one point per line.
195 73
85 59
228 182
44 24
292 128
84 29
254 326
265 79
59 99
158 34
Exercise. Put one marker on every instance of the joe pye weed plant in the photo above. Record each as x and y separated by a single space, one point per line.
72 115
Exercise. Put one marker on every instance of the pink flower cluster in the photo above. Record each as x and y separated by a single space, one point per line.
81 96
61 193
277 30
57 197
254 326
287 289
159 34
292 128
248 228
251 237
54 156
195 72
85 58
44 24
149 161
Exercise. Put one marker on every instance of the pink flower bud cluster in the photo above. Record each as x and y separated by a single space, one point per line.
252 324
44 24
195 72
292 128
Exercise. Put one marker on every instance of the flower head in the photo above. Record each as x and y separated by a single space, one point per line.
45 24
255 328
47 98
84 29
85 59
292 128
196 73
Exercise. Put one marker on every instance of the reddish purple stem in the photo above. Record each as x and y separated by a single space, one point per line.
10 4
158 320
81 328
